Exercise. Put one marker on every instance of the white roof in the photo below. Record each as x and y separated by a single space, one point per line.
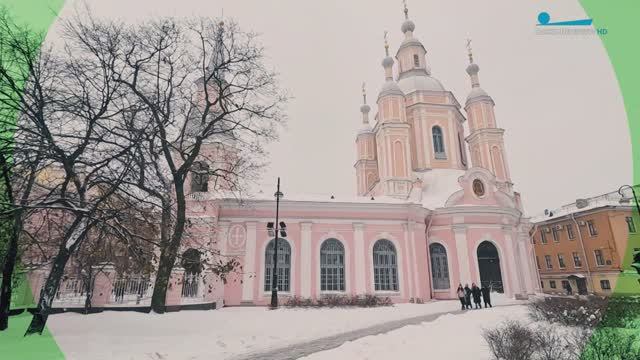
438 186
413 83
608 199
264 195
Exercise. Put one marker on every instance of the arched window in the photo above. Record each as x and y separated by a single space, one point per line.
438 142
463 154
439 266
192 265
284 265
199 177
332 266
416 60
385 266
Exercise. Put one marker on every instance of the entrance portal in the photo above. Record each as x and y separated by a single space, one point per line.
489 264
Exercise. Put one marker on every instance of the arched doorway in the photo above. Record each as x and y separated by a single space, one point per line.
489 265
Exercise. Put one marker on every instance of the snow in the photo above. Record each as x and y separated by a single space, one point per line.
448 337
439 185
613 199
219 334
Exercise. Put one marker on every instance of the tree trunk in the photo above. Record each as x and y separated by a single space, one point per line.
168 253
41 314
7 272
89 291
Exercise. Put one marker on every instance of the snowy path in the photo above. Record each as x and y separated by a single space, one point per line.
301 350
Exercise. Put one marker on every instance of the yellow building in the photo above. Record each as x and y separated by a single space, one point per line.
588 245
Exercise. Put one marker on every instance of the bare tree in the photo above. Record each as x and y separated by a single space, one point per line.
204 87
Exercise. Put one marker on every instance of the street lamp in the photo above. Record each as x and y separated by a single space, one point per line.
636 254
274 277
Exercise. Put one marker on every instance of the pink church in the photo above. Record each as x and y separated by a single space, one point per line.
426 216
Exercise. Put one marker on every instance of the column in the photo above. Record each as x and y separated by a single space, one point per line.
360 264
103 284
414 261
510 255
248 281
460 232
408 259
305 260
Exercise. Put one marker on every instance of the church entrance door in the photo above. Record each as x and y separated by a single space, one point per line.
489 264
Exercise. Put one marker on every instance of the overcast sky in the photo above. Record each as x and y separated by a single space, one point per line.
557 97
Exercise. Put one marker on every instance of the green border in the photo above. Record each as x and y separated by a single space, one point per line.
38 15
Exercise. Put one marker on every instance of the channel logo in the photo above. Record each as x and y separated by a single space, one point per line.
576 27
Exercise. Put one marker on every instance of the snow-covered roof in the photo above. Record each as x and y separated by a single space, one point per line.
315 197
609 199
438 186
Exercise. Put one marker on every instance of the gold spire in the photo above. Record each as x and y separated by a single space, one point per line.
364 93
406 10
469 51
386 43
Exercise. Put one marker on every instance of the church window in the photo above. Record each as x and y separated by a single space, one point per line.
439 266
385 266
199 177
283 268
463 154
438 142
332 266
416 60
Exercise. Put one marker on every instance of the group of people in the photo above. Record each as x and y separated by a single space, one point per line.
465 294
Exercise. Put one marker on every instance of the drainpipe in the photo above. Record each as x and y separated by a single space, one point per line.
584 253
426 234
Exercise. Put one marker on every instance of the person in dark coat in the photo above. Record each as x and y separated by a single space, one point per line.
467 296
486 296
460 293
569 289
475 291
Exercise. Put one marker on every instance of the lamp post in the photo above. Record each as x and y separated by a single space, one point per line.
274 277
633 192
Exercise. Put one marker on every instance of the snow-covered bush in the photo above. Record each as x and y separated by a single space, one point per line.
511 341
367 300
569 311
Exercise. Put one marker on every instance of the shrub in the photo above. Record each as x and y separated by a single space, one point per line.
569 311
611 344
511 341
367 300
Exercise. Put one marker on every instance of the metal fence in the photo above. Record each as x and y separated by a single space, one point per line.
71 291
132 290
191 285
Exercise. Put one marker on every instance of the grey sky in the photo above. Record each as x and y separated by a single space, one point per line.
556 97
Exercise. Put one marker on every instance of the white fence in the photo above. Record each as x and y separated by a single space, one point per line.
191 287
72 291
132 290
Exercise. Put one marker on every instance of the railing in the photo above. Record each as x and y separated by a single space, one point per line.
191 286
132 290
72 291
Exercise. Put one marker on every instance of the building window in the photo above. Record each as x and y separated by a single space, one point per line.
576 260
284 265
543 236
565 284
554 232
438 143
630 225
570 234
463 154
332 266
439 266
547 260
605 285
416 60
538 262
561 261
542 284
592 228
199 177
552 284
599 258
385 266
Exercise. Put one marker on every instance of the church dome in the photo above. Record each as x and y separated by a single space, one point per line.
477 93
390 88
408 25
387 62
365 108
423 82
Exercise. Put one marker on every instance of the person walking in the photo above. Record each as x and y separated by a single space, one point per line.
486 296
467 296
460 293
569 289
475 291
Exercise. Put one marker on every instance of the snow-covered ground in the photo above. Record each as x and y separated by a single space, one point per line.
232 331
448 337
